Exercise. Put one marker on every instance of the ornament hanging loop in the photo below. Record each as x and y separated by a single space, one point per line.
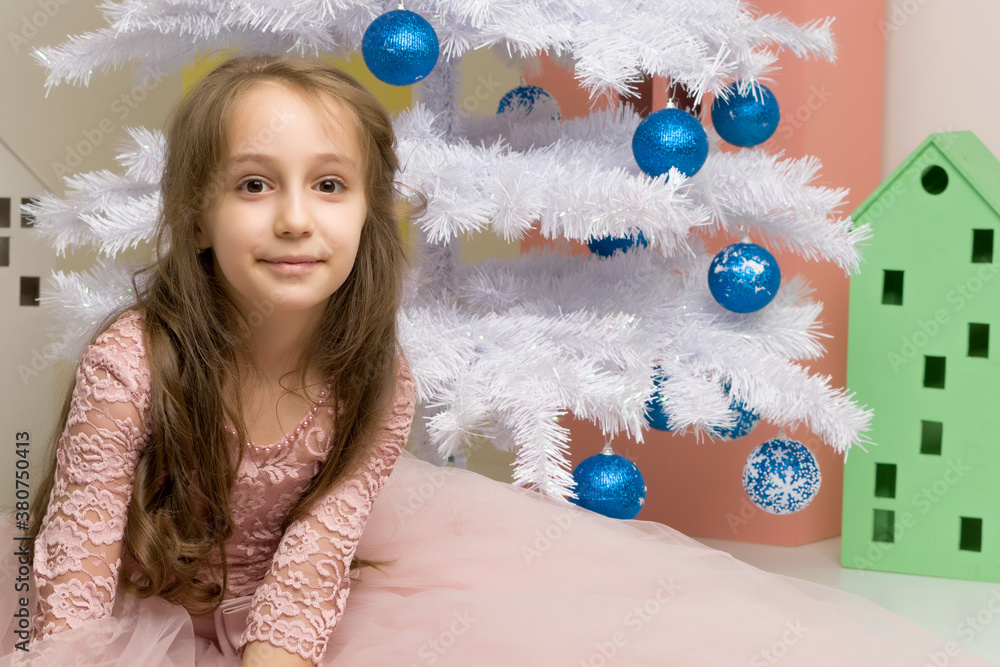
671 99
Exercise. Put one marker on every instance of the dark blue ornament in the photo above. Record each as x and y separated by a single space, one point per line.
400 48
744 277
746 419
529 103
670 138
746 119
609 484
656 416
609 245
781 476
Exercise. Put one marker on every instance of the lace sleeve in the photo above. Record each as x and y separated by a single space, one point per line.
302 597
79 545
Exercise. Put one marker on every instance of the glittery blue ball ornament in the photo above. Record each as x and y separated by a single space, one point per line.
656 416
529 103
746 119
781 476
670 138
744 277
609 484
400 47
746 419
609 245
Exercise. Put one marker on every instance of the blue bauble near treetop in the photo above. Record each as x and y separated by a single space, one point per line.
400 48
746 419
609 484
781 476
746 119
670 138
606 246
528 103
656 416
744 277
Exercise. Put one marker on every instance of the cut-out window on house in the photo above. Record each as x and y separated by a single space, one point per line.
979 340
934 179
971 534
930 437
27 220
4 251
982 246
4 211
892 288
882 530
885 480
934 372
29 290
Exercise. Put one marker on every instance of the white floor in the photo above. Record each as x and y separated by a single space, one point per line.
966 612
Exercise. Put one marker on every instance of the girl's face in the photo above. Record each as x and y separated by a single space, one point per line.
286 225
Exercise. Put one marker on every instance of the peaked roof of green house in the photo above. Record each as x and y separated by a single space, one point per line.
966 154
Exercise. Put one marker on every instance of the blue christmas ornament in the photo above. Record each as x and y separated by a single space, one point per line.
746 119
670 138
744 277
656 416
609 484
400 48
781 476
746 419
528 103
609 245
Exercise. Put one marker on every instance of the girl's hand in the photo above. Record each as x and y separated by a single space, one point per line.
262 654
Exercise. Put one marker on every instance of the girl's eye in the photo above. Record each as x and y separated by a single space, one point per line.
330 186
253 185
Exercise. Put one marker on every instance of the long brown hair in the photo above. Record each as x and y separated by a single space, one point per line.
179 516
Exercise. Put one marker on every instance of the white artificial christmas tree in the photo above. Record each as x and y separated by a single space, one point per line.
503 349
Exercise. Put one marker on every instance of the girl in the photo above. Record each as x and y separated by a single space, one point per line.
270 310
174 536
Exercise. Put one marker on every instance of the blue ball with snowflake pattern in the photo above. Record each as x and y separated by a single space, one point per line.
656 416
748 118
744 277
781 476
746 418
530 103
606 246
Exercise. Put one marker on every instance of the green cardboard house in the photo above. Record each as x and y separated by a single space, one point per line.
926 499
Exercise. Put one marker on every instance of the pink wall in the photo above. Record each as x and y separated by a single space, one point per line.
832 111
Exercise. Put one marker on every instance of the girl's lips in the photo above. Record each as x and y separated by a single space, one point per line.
292 268
292 259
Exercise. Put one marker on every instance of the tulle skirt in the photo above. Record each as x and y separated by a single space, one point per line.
485 574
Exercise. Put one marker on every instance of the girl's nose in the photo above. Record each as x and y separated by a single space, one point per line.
293 218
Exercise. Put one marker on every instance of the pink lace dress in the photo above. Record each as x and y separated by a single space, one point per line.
483 574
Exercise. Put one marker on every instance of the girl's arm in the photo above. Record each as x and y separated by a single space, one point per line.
262 654
79 545
302 598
